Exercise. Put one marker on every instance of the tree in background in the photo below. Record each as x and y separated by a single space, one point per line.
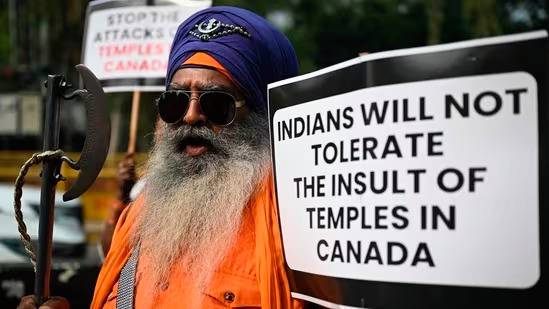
328 32
482 16
434 20
325 32
39 37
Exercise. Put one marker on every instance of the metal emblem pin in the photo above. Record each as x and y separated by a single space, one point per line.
209 26
213 28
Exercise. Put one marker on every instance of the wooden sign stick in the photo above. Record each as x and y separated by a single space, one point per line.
133 121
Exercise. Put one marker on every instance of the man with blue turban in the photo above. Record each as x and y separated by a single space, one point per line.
204 232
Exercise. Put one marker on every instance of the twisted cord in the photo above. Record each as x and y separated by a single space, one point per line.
19 182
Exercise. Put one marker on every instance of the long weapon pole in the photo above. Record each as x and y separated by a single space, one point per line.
50 169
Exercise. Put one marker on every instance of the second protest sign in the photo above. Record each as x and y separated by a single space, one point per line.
431 178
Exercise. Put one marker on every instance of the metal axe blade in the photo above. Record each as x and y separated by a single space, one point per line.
98 132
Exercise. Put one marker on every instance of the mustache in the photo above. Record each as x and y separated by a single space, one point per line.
184 135
238 140
185 131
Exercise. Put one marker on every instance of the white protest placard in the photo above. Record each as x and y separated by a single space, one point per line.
410 182
127 45
420 169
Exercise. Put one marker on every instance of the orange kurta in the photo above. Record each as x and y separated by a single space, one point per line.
251 275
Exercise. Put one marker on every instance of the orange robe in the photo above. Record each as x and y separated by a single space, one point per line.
251 275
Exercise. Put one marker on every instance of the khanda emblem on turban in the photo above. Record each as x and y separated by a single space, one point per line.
213 28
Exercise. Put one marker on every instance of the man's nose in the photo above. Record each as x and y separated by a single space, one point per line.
194 116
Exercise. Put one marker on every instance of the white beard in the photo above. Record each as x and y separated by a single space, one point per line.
194 205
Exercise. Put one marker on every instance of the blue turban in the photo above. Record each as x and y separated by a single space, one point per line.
247 45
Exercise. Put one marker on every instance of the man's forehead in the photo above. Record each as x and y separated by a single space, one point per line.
202 78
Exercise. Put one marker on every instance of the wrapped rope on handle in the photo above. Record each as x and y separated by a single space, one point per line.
20 181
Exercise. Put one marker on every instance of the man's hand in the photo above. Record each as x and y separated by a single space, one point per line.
56 302
126 177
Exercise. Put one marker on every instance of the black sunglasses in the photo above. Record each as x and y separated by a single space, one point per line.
219 106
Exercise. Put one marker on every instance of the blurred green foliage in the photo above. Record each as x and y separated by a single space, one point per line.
4 38
39 37
325 32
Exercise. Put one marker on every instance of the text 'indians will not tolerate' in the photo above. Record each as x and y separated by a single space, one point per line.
487 103
308 191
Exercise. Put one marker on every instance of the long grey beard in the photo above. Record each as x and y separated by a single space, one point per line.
194 205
